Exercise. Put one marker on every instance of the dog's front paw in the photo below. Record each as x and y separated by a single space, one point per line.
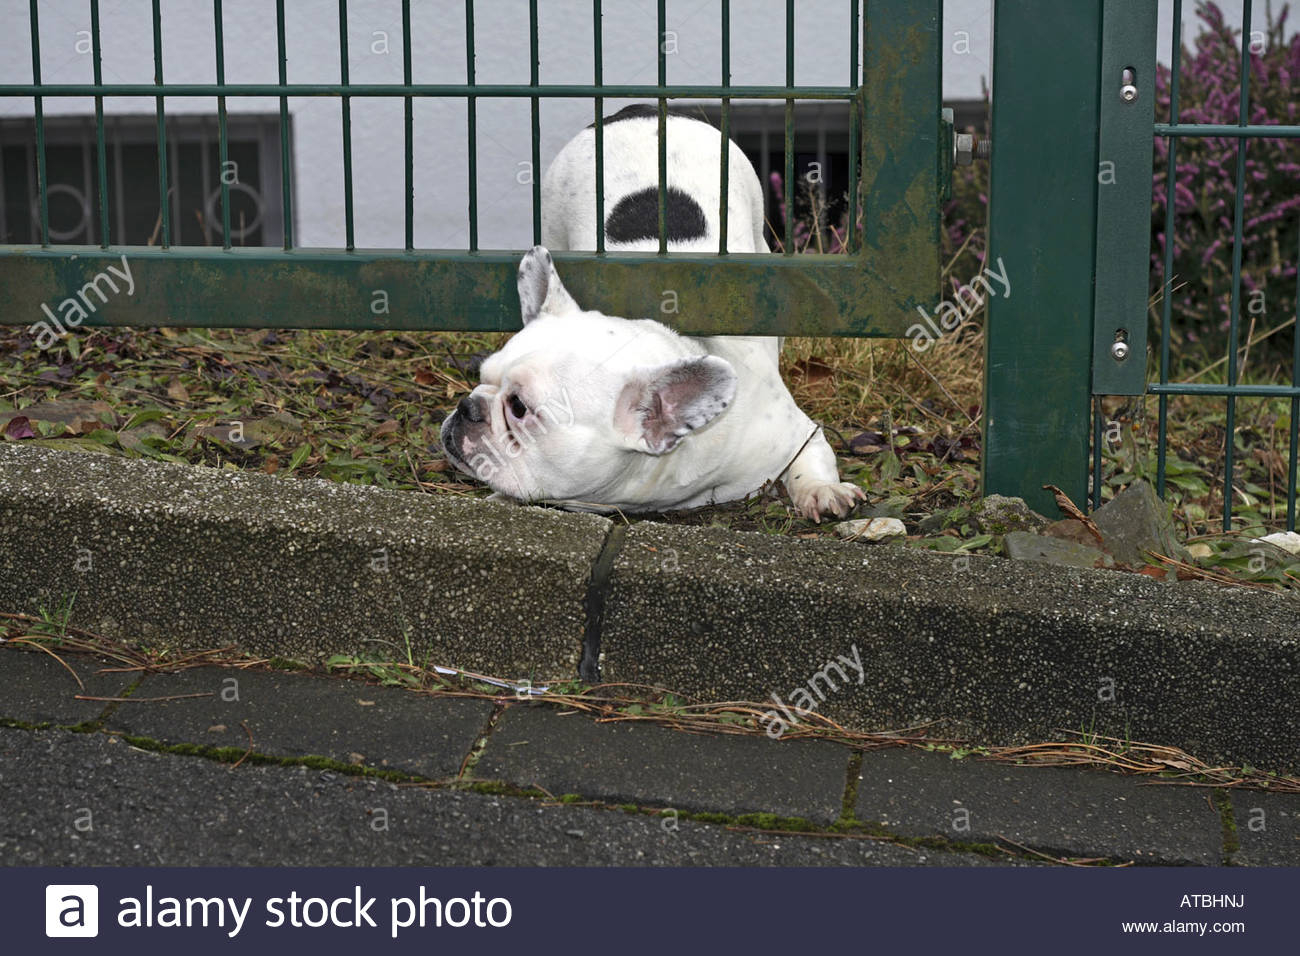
826 498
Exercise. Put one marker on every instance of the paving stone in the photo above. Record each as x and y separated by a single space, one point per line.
1268 828
295 715
152 809
35 688
1060 811
655 766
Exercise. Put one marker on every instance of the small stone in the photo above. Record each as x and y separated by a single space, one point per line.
1286 540
1072 529
998 514
1024 546
1136 521
871 529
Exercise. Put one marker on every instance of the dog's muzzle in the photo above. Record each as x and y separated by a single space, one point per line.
468 412
471 408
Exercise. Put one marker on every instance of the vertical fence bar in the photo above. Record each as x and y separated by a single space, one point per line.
42 187
164 203
598 58
285 178
409 126
1295 406
348 222
100 152
1171 196
789 131
852 239
1097 423
1042 232
724 186
223 142
471 119
663 126
533 64
1239 207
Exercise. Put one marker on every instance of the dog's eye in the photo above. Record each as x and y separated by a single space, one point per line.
517 406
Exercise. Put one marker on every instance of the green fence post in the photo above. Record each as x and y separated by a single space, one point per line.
1042 229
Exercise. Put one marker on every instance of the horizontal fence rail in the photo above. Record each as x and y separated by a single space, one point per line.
891 269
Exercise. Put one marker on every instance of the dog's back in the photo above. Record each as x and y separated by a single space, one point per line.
631 158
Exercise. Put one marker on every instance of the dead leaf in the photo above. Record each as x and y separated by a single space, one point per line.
814 374
1071 510
177 392
19 427
388 427
424 377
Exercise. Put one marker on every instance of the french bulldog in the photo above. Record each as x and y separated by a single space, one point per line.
599 412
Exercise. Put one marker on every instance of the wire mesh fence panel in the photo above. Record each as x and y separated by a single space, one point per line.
887 268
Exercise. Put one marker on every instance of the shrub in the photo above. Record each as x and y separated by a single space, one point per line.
1205 187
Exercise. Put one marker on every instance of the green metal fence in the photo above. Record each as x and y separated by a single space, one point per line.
1243 132
1079 244
1077 254
891 270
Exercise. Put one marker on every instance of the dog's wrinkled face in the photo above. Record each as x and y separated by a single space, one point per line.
576 400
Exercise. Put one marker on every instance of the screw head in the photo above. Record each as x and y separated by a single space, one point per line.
1128 92
1119 351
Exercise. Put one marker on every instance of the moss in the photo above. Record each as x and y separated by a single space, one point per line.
23 724
850 801
235 755
1228 822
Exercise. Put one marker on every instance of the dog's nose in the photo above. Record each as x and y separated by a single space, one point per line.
470 409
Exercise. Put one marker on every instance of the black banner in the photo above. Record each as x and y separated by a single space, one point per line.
657 911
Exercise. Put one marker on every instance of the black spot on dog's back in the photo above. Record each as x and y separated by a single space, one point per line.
636 216
644 111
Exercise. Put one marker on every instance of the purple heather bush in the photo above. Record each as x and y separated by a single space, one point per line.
1204 189
1205 186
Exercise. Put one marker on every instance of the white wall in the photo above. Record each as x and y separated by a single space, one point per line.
758 57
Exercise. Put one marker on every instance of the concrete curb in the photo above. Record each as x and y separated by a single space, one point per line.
180 556
977 647
996 651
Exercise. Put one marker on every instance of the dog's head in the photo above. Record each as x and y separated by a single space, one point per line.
568 406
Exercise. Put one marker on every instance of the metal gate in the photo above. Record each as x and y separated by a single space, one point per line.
892 267
1079 242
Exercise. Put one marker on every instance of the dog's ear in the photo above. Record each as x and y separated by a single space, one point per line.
659 406
540 289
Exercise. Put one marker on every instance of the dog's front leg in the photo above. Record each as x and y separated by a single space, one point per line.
813 482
